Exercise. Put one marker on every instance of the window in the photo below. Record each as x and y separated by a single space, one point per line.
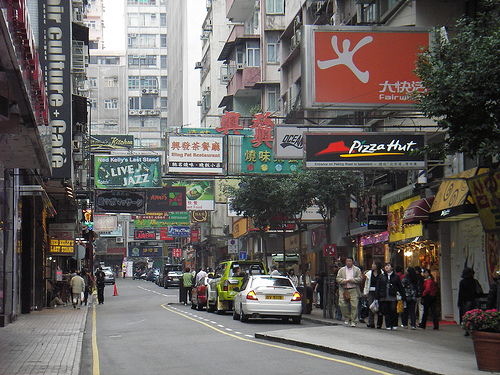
147 40
253 54
240 54
163 62
163 82
93 103
133 83
275 7
110 103
110 81
147 102
163 102
163 40
272 98
163 19
149 82
90 25
133 103
146 61
272 49
93 81
163 124
133 42
133 19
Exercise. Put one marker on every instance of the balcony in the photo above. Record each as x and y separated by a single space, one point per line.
237 36
239 10
244 79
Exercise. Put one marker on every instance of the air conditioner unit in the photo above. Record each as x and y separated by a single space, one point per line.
298 37
293 42
153 91
132 35
240 66
297 22
224 78
132 112
199 103
115 79
145 91
77 147
119 239
140 112
198 65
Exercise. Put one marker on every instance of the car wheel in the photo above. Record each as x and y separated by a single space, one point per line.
235 315
243 316
193 306
199 307
296 320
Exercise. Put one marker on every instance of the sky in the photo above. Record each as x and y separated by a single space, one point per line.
114 30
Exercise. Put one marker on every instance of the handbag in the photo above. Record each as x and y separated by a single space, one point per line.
400 307
364 312
347 295
374 307
82 296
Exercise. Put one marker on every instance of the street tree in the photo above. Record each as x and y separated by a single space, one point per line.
462 80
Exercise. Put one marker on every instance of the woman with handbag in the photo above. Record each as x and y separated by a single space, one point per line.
369 292
388 286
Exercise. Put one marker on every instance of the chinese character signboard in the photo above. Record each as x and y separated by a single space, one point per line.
105 223
120 201
127 171
166 199
364 150
353 67
173 218
397 230
485 190
146 251
195 154
199 193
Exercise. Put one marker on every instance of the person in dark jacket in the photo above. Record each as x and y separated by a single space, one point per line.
371 294
99 282
469 291
412 292
388 286
494 294
429 299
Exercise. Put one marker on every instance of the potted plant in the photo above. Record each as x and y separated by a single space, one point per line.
485 328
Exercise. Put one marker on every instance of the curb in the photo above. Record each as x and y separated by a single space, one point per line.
79 343
326 349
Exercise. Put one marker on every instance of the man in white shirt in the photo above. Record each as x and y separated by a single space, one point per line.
349 278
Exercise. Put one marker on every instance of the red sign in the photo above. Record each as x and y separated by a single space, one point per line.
357 67
164 235
176 253
195 235
330 250
144 234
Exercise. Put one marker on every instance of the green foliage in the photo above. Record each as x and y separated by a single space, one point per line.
462 78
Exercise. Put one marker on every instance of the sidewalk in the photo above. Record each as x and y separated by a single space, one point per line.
446 351
44 342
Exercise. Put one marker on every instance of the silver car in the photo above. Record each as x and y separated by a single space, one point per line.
265 296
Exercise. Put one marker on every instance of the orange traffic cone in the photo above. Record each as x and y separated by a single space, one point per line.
116 292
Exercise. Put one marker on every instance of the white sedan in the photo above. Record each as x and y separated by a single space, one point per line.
267 296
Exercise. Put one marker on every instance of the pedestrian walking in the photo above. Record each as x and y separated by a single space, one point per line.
387 289
275 271
370 293
420 306
187 284
293 277
99 280
429 299
89 283
349 279
77 285
469 291
412 292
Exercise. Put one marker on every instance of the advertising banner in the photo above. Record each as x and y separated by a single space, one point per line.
179 231
55 34
62 239
105 223
145 251
145 234
289 140
166 199
195 154
485 190
163 223
353 67
199 193
364 150
120 201
397 230
111 142
127 171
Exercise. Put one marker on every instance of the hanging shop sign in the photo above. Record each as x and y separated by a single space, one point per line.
220 184
127 171
364 150
170 218
485 191
353 67
120 201
289 140
195 154
241 227
111 142
62 239
105 223
199 193
55 59
176 231
145 251
166 199
397 230
145 234
375 238
199 216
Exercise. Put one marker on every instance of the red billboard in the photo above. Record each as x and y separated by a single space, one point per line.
368 67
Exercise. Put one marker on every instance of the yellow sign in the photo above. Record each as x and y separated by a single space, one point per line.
240 227
482 189
66 247
452 192
397 230
220 183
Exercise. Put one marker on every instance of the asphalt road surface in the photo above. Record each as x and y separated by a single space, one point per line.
145 330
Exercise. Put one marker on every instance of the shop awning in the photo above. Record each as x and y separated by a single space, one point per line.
453 201
418 211
398 195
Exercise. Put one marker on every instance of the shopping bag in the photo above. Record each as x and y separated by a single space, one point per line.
400 307
82 296
374 307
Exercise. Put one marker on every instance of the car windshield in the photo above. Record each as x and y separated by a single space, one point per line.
271 282
238 270
173 267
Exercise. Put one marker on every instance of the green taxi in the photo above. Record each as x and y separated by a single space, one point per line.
226 281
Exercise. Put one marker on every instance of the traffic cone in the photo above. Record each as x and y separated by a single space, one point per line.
116 292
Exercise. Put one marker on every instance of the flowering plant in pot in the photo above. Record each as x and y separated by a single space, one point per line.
481 320
485 328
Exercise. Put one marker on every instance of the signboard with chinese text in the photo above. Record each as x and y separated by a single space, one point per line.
182 219
199 216
220 184
124 201
353 67
199 193
127 171
485 191
195 154
397 230
145 251
105 223
364 150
